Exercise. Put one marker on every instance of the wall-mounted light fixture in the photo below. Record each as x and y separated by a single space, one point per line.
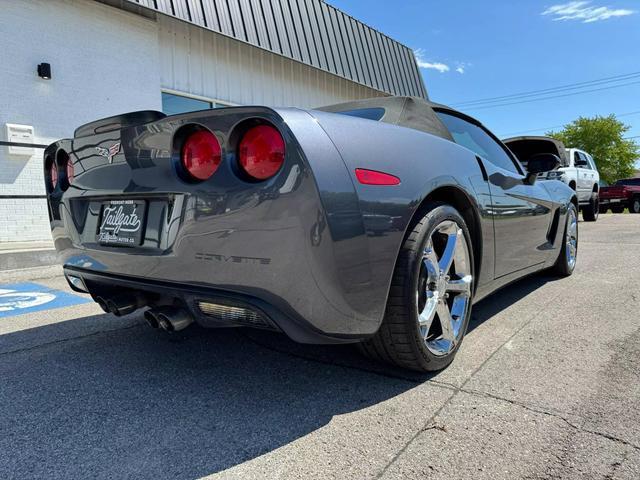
44 71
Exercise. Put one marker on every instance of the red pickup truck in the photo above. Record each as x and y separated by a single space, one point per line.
623 194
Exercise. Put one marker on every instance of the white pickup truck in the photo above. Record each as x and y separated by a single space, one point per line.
578 170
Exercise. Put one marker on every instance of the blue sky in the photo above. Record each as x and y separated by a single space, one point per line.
483 49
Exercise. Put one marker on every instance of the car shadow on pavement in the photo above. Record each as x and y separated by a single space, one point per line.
135 402
495 303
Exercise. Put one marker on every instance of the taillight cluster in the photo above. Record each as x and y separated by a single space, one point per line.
61 163
260 153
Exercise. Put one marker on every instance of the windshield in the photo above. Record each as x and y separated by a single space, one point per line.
629 181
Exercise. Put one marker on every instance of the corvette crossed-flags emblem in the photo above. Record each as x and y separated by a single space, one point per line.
110 152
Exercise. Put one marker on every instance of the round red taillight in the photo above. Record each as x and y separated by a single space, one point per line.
53 175
261 152
201 155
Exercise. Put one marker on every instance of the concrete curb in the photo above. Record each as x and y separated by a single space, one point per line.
17 259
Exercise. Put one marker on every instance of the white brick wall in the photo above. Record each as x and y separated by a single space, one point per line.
23 220
104 61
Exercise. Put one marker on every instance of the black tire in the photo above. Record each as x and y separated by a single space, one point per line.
617 209
634 206
603 210
590 211
563 267
399 341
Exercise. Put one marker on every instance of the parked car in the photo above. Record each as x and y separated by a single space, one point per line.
378 222
623 194
578 170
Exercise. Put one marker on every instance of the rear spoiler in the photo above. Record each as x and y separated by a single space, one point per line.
118 122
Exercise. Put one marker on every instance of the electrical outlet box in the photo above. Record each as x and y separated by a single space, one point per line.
17 134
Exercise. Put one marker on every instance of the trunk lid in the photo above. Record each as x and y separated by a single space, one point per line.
526 146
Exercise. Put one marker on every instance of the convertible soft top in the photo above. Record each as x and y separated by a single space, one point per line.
410 112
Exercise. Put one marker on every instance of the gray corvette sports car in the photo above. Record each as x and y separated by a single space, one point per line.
377 222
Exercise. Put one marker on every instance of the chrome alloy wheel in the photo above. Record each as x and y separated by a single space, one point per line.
444 288
572 238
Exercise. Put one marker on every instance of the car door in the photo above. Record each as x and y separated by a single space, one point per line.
521 212
594 176
583 185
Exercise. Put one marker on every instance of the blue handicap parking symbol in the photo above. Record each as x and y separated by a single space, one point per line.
19 298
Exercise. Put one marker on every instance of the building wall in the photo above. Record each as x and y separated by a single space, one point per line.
310 31
104 61
107 61
211 65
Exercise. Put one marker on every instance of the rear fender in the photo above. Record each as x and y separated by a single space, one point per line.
424 163
565 196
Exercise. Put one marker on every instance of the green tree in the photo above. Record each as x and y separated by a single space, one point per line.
603 138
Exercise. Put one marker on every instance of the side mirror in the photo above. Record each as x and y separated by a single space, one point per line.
539 163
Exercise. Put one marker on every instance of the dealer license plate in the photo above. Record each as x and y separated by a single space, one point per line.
122 222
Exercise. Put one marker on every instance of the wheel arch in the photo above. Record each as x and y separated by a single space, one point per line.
574 200
462 202
572 185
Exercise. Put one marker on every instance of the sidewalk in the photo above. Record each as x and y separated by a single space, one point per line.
17 255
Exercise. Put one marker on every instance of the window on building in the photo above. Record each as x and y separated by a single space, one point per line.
173 104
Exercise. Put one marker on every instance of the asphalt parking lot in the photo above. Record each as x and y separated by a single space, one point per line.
547 385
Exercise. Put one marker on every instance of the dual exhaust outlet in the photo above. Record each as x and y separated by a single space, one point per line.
119 306
169 319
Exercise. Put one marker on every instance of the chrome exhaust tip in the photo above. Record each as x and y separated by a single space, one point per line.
164 323
122 305
102 303
151 319
172 319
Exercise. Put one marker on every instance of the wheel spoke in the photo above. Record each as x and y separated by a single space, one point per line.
430 261
449 251
462 285
446 322
427 315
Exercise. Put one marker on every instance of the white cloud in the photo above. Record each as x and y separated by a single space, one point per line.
461 67
423 63
441 67
584 11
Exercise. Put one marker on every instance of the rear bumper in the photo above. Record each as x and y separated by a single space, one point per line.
271 312
276 249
